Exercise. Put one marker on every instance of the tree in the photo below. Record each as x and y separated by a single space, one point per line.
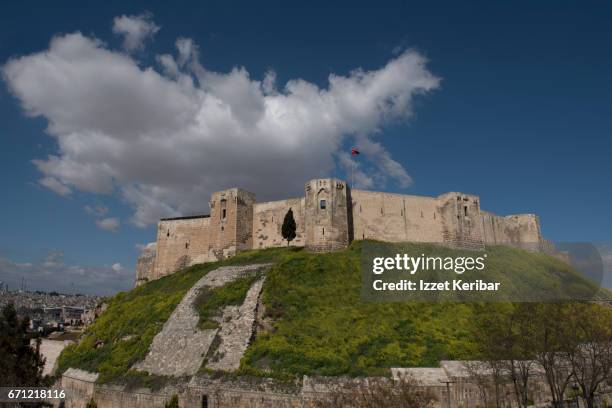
506 348
553 337
493 330
172 403
519 345
591 359
21 364
289 227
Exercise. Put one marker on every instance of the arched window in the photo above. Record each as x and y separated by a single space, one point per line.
223 208
323 197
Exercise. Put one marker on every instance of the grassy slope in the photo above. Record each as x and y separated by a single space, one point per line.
210 302
323 327
141 314
320 324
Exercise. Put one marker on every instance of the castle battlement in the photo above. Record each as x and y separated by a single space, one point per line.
329 217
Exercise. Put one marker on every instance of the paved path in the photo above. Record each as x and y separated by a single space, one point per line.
237 325
179 349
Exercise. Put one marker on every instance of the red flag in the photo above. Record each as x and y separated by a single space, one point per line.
354 151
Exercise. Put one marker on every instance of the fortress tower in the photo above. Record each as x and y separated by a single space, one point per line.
231 222
326 219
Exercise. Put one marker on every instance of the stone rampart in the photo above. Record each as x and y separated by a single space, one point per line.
181 242
268 220
451 383
328 218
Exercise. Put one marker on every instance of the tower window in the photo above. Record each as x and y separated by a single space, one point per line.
465 212
323 204
223 208
186 245
168 233
323 231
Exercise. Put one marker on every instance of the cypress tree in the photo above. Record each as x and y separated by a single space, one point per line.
289 227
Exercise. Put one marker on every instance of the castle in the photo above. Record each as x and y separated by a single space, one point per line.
328 218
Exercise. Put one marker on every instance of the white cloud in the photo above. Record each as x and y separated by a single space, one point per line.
108 224
135 30
358 179
54 184
116 267
96 211
142 247
166 140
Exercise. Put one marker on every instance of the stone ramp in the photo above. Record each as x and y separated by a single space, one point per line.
237 325
180 347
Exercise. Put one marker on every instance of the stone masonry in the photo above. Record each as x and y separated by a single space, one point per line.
237 325
329 217
180 347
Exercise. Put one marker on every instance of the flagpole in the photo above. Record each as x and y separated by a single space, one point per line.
352 173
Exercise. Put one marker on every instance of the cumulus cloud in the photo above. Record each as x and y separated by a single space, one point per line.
52 274
135 30
108 224
164 137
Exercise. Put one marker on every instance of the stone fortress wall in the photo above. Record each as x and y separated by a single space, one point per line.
328 218
451 383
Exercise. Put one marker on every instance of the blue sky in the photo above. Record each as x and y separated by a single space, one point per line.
508 101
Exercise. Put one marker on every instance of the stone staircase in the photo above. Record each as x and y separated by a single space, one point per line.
180 347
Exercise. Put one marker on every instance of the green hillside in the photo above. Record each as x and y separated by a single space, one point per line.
316 321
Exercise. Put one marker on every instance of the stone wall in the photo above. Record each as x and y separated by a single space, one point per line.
181 242
79 386
517 230
268 221
328 218
450 383
145 266
452 219
395 217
